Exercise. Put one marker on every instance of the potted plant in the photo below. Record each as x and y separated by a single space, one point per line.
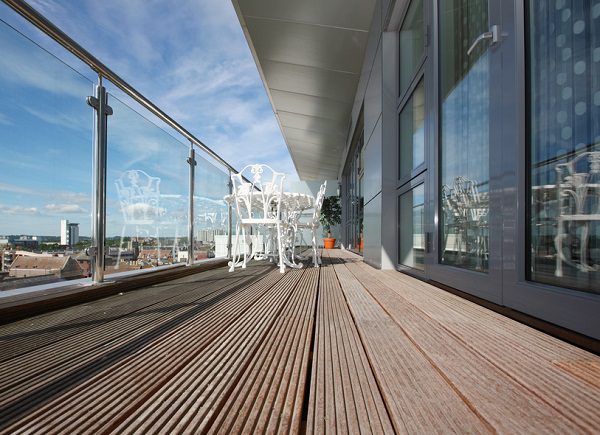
331 214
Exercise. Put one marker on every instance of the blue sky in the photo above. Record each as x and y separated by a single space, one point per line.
192 60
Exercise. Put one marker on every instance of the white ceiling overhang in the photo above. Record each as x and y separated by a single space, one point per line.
309 54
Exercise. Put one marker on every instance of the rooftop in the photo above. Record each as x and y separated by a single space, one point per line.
341 348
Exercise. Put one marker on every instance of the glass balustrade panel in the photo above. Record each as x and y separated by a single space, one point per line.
211 211
147 193
46 141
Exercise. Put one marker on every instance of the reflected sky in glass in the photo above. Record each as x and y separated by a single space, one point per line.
46 171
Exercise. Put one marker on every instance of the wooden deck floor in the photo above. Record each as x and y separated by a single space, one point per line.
340 349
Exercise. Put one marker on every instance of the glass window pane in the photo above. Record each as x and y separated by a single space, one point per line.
464 135
412 132
411 43
564 141
411 228
46 138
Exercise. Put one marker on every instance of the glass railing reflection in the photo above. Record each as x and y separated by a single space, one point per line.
46 152
211 225
147 196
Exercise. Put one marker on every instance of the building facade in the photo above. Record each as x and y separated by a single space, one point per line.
471 138
69 233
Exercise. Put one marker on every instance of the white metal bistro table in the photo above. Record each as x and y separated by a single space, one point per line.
293 205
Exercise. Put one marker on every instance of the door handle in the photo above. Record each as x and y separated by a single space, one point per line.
493 34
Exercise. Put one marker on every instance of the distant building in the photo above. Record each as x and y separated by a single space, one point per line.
7 259
41 265
85 262
28 242
69 233
208 236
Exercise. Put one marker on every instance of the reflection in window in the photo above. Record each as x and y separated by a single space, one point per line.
411 43
464 135
564 76
411 228
412 132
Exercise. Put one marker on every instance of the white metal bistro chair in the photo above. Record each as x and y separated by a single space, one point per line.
257 203
312 224
578 194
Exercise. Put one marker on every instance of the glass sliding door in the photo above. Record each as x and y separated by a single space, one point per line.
464 135
470 82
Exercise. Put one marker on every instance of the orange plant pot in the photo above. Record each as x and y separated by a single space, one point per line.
328 243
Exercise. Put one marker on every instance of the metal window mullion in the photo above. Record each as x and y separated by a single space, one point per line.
192 177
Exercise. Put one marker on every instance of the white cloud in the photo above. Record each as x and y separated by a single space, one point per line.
73 197
5 120
17 210
64 208
6 187
67 197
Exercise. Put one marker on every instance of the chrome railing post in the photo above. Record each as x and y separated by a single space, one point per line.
230 218
192 162
103 110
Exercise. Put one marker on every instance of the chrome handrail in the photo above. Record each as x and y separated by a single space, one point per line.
50 29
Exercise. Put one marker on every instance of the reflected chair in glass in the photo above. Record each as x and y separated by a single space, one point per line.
466 212
578 195
257 204
139 199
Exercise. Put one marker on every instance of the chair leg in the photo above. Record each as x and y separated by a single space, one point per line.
157 245
120 243
280 247
583 251
558 244
235 253
314 245
245 247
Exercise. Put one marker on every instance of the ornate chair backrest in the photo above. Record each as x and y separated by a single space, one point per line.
259 198
139 195
578 184
212 213
463 202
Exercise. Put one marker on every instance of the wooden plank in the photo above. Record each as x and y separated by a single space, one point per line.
513 370
32 303
142 369
342 380
188 402
31 372
19 337
270 395
417 395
